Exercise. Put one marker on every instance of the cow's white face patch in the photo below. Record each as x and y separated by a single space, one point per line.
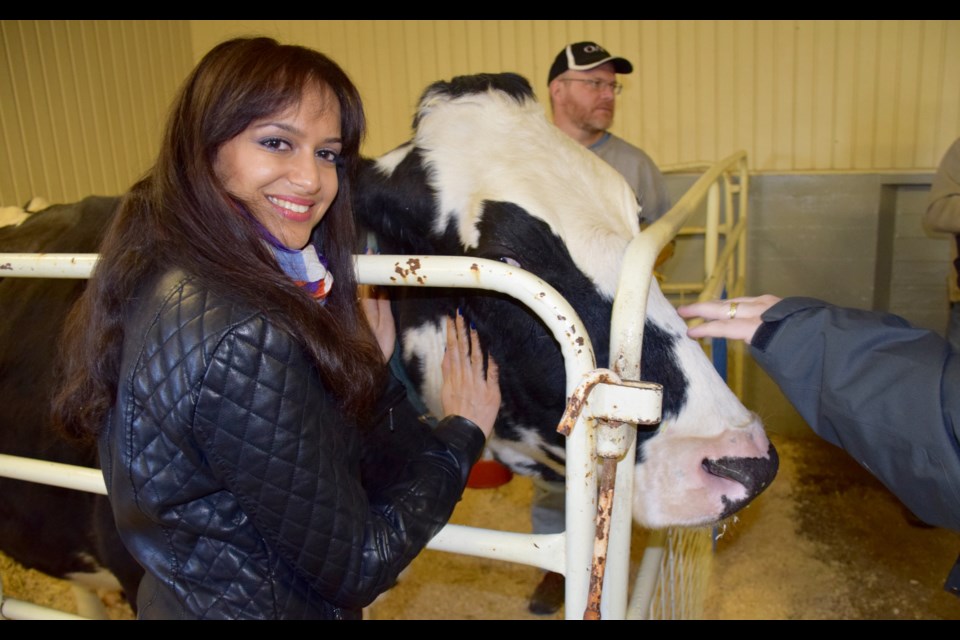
672 486
486 147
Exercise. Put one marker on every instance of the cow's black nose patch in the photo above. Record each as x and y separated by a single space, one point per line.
755 474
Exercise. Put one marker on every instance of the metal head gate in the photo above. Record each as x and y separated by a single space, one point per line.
572 552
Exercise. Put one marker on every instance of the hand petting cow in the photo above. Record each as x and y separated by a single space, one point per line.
485 175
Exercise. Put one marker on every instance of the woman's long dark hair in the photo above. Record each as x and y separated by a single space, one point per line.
180 215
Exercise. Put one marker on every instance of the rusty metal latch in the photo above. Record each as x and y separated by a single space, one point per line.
614 405
611 399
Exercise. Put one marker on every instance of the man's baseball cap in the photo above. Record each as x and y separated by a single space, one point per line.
583 56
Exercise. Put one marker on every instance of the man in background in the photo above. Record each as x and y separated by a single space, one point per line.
943 214
583 90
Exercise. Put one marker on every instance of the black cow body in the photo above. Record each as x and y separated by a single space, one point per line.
63 533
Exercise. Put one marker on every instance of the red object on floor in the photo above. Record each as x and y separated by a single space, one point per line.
487 474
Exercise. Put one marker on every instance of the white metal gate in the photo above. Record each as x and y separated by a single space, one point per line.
669 569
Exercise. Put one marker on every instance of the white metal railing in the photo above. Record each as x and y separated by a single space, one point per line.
724 189
569 552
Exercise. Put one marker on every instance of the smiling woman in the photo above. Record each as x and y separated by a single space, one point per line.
239 401
284 169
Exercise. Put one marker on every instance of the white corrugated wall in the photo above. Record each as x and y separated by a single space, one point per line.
82 102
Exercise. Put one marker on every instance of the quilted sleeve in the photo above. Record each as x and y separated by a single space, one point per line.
275 436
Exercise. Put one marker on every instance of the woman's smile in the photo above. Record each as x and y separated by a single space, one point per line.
294 209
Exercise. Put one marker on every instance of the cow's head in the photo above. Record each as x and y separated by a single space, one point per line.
487 175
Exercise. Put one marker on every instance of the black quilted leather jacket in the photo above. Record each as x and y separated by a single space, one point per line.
239 486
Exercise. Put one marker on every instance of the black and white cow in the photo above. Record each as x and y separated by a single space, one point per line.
485 175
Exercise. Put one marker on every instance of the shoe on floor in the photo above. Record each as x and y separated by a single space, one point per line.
548 597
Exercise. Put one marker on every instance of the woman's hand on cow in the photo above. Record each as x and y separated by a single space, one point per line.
467 391
736 318
376 307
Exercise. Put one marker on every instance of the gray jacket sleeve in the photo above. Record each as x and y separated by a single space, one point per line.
886 392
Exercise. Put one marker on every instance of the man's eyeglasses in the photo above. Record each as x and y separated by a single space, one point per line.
597 85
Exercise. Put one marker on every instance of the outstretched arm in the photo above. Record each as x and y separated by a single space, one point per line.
868 382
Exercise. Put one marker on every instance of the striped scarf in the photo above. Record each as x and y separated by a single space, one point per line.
306 267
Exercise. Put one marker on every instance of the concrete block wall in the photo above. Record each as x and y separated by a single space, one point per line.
854 240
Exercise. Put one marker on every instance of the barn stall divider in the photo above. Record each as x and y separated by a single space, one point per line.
671 579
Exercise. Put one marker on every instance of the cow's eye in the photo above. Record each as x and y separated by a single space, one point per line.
510 261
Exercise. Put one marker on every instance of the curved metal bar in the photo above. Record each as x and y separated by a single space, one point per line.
568 553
